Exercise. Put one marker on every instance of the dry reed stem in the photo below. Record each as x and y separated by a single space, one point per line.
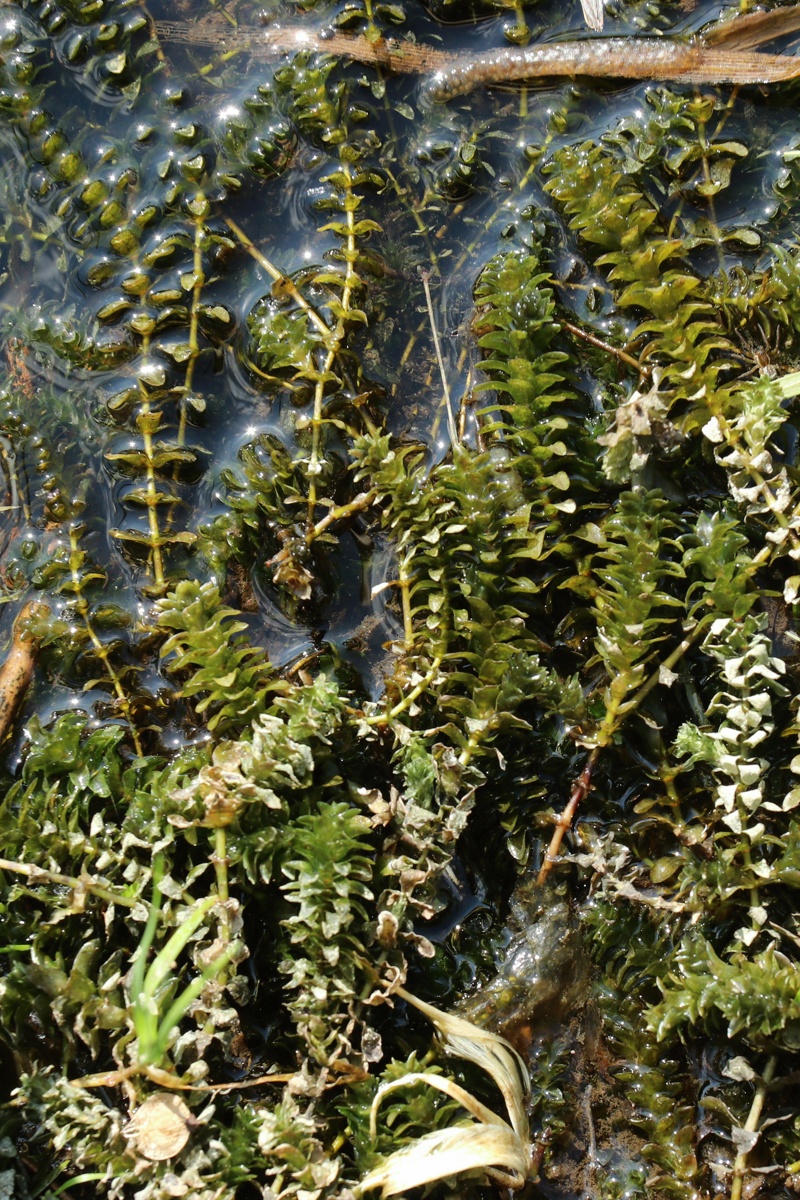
721 54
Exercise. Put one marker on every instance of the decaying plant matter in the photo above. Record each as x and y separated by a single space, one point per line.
402 514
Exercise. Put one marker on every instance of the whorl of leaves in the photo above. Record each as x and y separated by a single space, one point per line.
329 873
228 679
516 308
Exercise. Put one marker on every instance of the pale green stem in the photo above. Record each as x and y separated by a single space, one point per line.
408 700
468 751
221 863
404 583
372 30
336 338
220 860
284 280
194 322
618 690
451 424
100 649
152 515
40 875
751 1126
146 426
316 426
669 662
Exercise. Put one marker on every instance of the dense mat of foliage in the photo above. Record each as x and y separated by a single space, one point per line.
405 488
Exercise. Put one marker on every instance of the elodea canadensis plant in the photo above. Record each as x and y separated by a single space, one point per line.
401 527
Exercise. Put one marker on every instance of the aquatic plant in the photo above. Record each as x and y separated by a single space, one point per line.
398 581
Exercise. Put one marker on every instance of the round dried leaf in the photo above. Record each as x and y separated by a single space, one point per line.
160 1127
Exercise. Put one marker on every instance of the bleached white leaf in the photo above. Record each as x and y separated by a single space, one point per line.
450 1151
593 13
487 1050
743 1139
739 1068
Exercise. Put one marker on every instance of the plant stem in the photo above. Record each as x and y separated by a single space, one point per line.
361 502
194 319
147 422
408 700
316 425
220 861
468 751
16 672
76 557
451 424
39 874
279 277
579 791
404 583
593 340
335 336
751 1126
669 662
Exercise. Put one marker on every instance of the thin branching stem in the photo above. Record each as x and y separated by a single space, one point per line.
278 276
100 649
359 503
580 790
85 884
593 340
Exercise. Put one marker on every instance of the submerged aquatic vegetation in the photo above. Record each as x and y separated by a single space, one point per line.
401 508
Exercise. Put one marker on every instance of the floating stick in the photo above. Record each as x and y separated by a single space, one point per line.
723 53
17 671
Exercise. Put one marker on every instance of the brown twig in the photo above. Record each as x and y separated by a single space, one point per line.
17 671
593 340
580 789
166 1080
362 501
748 31
693 61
